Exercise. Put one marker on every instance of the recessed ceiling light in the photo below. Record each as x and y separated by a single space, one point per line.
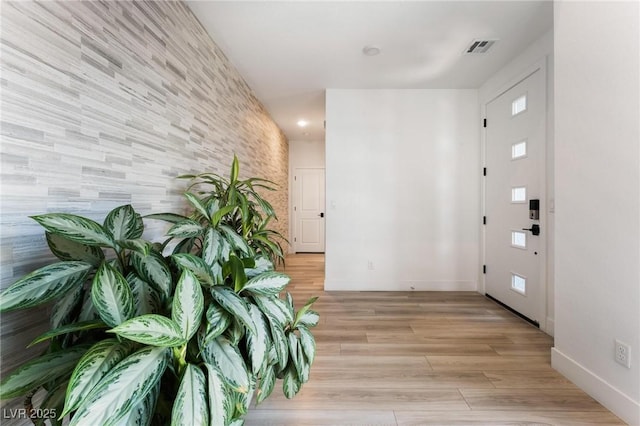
302 123
371 50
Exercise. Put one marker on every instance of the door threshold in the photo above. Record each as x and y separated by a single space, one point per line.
513 311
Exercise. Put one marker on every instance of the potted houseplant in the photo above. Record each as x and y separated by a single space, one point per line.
182 332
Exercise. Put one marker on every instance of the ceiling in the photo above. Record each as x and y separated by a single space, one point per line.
289 52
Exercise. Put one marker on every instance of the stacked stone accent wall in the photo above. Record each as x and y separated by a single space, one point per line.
104 104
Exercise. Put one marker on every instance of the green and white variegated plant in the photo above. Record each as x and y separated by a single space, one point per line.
184 332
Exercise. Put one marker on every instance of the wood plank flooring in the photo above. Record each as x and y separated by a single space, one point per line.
418 358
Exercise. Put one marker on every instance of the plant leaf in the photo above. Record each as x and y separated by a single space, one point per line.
185 229
167 217
190 404
123 223
52 404
65 249
280 343
234 239
236 270
304 310
151 329
195 265
213 205
197 203
267 383
87 311
188 304
216 272
274 308
44 284
305 368
258 341
122 388
75 228
289 304
235 332
65 307
153 270
220 213
220 404
41 370
146 299
308 343
211 247
69 328
268 245
228 361
235 169
184 246
243 400
92 367
309 319
138 245
294 352
267 284
225 251
111 296
262 264
218 319
291 383
143 413
234 304
220 398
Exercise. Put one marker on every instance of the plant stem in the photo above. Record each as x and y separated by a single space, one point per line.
180 355
120 254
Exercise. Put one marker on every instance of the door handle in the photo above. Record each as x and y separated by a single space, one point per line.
535 229
321 215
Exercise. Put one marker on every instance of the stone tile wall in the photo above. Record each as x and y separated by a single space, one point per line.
104 104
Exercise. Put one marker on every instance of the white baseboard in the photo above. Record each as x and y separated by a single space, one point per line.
333 285
620 404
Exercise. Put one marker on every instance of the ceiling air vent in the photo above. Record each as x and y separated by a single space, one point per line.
479 46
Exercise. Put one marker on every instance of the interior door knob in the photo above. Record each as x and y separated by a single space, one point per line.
535 229
321 214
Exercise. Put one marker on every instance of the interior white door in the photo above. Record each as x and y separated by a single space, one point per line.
515 179
308 209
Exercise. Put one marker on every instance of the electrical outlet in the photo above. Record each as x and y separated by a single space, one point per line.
623 353
370 265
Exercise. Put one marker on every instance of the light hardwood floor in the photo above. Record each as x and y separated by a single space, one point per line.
414 358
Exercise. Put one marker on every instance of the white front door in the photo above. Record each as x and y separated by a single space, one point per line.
515 179
308 210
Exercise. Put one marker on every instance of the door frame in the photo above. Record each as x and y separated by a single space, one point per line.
546 236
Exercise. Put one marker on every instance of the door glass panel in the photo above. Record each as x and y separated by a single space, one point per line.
518 283
518 195
519 105
519 239
519 150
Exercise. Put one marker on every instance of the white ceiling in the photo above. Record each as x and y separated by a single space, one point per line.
289 52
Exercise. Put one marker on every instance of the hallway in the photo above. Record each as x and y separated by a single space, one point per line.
412 358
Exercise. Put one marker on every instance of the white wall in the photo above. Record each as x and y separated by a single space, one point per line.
302 154
403 174
308 154
597 172
539 52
